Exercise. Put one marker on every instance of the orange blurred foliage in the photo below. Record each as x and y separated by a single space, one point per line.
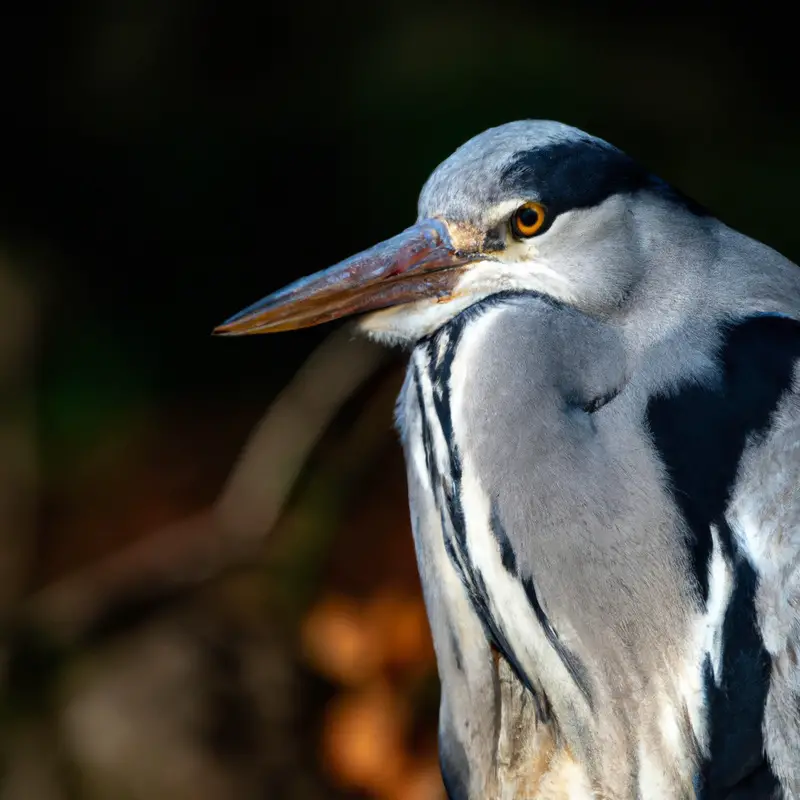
363 739
349 643
371 648
337 643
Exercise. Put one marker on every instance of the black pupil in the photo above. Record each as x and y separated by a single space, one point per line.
528 217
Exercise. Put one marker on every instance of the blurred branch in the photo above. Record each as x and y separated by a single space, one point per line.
17 433
227 534
279 446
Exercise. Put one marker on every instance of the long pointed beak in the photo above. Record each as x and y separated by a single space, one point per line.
418 263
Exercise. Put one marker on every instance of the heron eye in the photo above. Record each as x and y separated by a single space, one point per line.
527 220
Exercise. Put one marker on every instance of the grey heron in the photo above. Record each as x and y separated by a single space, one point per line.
601 426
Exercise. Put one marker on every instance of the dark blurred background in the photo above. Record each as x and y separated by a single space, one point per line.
182 622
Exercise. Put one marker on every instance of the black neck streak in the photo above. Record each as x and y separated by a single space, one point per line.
447 492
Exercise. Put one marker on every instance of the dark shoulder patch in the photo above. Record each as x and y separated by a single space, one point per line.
736 701
583 173
701 430
767 347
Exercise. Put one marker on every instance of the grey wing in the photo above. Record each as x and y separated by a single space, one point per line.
764 515
492 740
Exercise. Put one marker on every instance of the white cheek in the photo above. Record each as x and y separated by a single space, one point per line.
530 273
410 322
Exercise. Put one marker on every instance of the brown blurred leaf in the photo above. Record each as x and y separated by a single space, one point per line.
399 626
337 642
363 739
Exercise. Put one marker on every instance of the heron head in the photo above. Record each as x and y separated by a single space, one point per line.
532 206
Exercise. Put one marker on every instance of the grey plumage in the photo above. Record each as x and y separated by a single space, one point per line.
584 501
601 424
584 504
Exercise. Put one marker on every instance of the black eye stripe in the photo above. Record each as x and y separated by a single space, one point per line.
557 173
